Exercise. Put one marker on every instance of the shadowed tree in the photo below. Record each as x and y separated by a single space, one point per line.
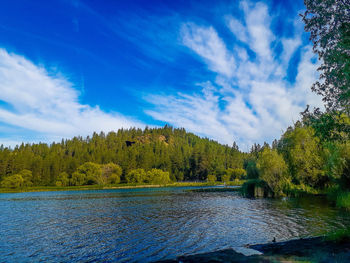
328 21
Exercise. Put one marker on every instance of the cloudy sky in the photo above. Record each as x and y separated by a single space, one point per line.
228 70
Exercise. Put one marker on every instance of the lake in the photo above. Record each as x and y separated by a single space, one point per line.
150 224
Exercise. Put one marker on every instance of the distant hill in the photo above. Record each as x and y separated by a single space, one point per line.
184 155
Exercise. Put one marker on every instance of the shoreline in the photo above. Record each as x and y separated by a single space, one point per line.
121 186
312 249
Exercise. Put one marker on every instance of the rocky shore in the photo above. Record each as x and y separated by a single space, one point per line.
316 249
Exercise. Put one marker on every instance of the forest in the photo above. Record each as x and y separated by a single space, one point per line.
312 156
108 159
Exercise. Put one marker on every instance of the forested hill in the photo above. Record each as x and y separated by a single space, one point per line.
184 155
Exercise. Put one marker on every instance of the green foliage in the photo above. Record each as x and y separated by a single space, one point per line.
345 165
251 168
156 176
300 190
111 173
87 174
62 179
226 178
249 187
301 150
337 163
12 181
185 156
136 176
211 178
328 126
77 179
328 21
339 196
236 173
343 200
339 236
27 177
273 170
22 179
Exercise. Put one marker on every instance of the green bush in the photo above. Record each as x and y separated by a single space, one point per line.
300 190
87 174
252 170
12 181
111 173
62 179
211 178
339 236
343 200
273 170
157 176
340 197
23 179
27 177
225 178
136 176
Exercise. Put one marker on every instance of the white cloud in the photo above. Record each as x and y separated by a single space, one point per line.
252 100
208 45
47 103
258 26
198 113
237 29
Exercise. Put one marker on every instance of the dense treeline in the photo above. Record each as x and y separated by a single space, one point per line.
314 154
301 162
107 159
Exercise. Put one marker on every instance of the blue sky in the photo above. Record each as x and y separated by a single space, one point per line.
228 70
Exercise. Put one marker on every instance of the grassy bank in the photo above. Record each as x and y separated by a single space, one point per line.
340 197
116 186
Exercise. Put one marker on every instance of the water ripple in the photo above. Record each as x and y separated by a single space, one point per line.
142 225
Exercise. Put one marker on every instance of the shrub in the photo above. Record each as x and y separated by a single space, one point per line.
225 178
27 177
273 170
252 170
62 179
156 176
340 197
237 173
87 174
136 176
343 200
211 178
12 181
111 173
339 236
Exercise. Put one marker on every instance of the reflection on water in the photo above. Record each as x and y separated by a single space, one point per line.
150 224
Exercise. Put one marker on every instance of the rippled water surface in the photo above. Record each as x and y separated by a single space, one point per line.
149 224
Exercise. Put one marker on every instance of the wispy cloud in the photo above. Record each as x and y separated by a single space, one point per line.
46 103
250 100
208 45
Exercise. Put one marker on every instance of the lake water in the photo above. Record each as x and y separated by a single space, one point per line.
149 224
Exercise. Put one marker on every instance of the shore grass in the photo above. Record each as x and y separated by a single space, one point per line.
293 190
339 236
340 197
343 200
115 186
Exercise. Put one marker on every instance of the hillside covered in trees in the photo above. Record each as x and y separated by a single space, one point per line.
184 156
